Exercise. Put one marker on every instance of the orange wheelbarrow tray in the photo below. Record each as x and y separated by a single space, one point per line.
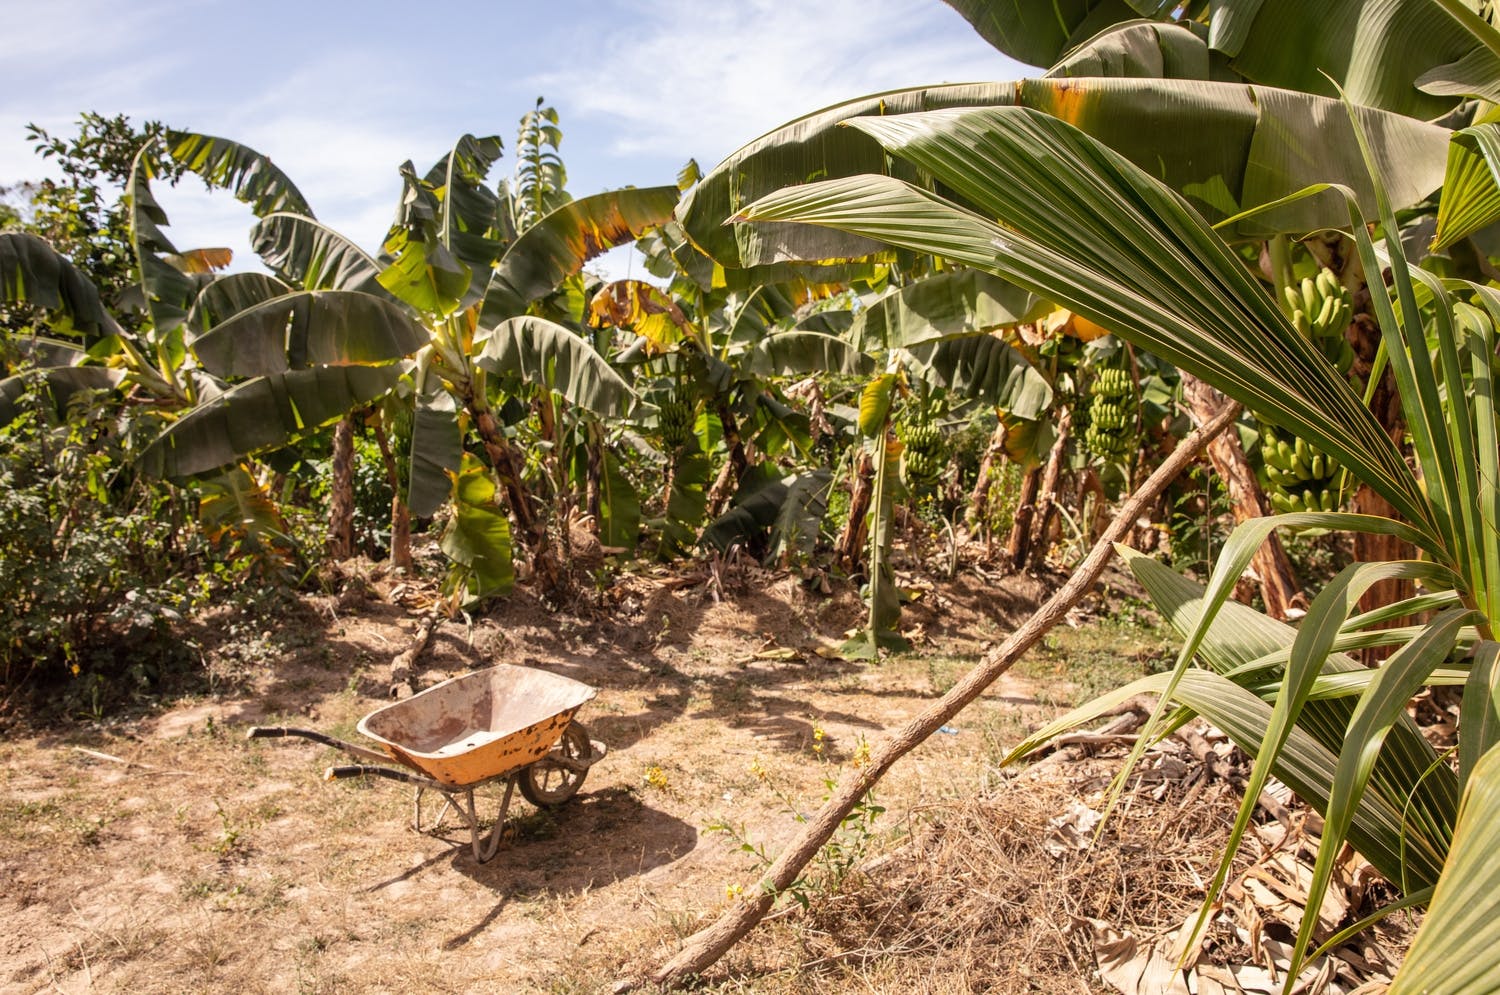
510 723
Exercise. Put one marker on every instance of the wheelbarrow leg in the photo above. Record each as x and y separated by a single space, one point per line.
485 847
416 811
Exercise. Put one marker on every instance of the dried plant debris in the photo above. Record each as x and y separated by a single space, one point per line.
1019 890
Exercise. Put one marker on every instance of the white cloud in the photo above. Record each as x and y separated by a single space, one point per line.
703 79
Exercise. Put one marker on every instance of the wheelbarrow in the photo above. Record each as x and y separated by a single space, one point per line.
506 723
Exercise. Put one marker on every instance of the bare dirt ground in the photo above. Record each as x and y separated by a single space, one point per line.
165 853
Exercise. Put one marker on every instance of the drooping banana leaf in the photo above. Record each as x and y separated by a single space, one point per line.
169 291
1407 56
1077 217
983 368
436 452
799 353
790 508
420 268
477 538
1234 147
686 504
250 176
309 328
1038 34
229 295
312 256
619 506
262 414
1410 57
810 147
1149 49
540 352
33 272
945 305
561 242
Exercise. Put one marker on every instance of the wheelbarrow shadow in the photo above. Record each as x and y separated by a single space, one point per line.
597 839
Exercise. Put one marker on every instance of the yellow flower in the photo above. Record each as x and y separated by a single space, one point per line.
818 737
732 891
655 778
75 669
861 754
760 773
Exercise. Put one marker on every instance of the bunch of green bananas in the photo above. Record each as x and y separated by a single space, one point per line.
1296 476
925 455
676 420
1300 477
1111 432
1321 309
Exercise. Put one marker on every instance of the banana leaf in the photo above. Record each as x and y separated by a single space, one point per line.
261 414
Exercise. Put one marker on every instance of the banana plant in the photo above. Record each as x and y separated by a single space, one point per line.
226 366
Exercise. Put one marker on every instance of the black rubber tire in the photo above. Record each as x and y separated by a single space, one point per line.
548 785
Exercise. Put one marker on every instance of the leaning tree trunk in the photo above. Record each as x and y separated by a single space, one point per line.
706 946
341 505
1046 510
848 551
1278 582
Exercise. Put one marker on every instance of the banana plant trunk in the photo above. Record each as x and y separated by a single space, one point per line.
341 505
400 514
550 577
733 475
979 497
849 548
1046 511
1018 547
1385 405
1273 568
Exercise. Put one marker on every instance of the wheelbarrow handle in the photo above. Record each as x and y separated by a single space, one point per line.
366 770
275 732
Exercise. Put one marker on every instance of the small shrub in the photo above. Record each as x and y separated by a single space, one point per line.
92 565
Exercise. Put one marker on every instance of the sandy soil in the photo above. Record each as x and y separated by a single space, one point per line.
166 853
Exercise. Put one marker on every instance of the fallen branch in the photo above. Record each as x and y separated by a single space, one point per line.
404 667
705 947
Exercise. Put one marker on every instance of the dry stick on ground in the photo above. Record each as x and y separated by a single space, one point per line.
705 947
404 666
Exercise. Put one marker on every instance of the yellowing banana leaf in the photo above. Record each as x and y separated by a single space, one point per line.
561 242
477 538
642 308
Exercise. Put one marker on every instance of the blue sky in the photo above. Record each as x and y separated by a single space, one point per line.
340 93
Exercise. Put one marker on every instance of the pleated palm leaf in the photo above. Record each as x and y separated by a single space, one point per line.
1067 218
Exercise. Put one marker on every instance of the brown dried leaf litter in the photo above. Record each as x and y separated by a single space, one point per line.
1012 892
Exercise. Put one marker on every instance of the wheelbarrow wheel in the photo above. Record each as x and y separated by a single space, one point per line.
547 784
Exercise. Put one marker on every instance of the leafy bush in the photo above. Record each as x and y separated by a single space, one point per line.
92 567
